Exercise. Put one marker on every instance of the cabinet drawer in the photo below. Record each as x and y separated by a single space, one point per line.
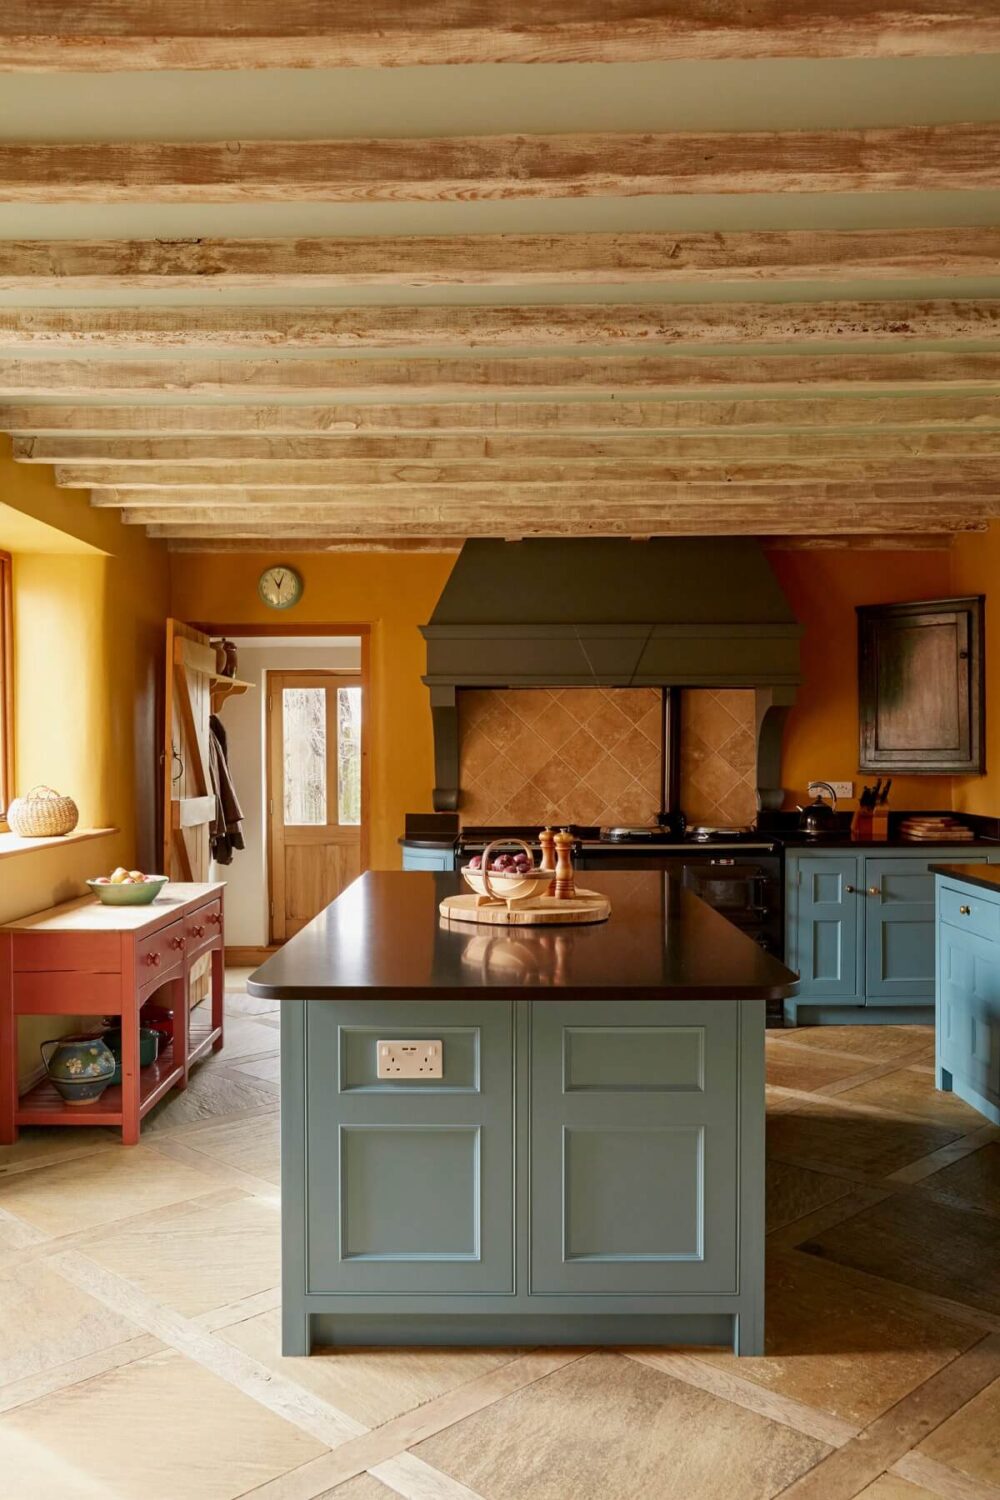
963 909
158 953
201 927
412 1189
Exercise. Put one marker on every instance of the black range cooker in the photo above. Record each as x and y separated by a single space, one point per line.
738 871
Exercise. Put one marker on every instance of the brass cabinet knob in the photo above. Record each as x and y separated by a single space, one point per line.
873 890
966 911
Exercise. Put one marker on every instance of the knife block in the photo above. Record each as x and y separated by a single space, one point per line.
869 824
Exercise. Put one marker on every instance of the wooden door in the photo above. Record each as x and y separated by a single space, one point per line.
188 801
317 792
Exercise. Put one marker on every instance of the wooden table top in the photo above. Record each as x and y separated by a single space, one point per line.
87 914
383 938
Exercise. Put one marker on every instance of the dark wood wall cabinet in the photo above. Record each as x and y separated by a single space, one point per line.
921 687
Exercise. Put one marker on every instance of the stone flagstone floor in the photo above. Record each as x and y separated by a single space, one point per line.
139 1319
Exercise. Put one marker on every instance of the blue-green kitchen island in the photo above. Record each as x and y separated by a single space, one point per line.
589 1165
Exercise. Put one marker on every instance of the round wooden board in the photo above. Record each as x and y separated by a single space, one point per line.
542 911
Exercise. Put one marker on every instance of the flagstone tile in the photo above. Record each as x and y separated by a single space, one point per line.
74 1195
971 1182
914 1093
252 1145
821 1131
969 1441
793 1192
874 1043
50 1322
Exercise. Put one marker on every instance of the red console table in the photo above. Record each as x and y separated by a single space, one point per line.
83 958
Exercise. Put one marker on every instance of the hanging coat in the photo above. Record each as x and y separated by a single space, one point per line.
226 829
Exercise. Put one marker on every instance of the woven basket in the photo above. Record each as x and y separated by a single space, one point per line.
42 814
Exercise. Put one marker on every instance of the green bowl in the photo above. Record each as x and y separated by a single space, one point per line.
129 895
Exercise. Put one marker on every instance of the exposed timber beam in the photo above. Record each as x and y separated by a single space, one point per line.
568 325
891 542
722 445
434 379
958 474
478 499
885 542
464 168
927 410
47 35
333 544
501 259
690 520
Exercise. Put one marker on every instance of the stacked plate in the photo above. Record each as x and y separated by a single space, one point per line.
935 830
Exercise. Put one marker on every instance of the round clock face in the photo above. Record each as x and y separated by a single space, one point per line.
280 587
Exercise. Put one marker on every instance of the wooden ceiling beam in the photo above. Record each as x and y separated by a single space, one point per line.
442 327
889 541
279 544
926 410
436 379
49 35
691 520
470 168
501 259
294 478
953 497
276 454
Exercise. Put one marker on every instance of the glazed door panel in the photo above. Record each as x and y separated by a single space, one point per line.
317 793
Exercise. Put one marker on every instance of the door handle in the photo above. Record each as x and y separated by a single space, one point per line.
966 911
850 889
873 890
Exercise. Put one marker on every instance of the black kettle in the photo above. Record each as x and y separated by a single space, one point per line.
818 819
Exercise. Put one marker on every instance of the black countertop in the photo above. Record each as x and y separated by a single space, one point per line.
385 939
988 876
787 840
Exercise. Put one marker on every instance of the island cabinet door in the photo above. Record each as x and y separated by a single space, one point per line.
899 928
409 1182
968 1009
824 926
634 1147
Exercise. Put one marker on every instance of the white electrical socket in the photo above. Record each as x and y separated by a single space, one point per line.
409 1060
843 789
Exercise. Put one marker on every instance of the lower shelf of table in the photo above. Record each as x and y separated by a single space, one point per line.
43 1105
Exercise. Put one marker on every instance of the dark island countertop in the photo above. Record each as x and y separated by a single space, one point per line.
987 876
384 938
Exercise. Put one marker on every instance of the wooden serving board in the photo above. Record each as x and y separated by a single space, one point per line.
585 906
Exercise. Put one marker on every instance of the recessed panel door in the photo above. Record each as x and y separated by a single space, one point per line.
317 793
634 1147
899 928
825 916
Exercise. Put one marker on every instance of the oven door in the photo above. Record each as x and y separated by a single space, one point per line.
739 889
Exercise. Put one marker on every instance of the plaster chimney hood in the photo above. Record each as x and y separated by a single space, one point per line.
582 612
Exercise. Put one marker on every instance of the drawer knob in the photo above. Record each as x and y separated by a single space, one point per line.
873 890
216 917
177 942
850 889
197 932
966 911
153 959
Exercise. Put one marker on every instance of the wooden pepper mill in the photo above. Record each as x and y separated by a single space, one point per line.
547 840
565 887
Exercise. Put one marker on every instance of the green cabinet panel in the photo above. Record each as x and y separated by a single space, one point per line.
634 1147
899 927
968 1016
413 1190
824 909
428 859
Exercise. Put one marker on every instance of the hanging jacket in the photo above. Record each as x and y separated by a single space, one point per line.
226 828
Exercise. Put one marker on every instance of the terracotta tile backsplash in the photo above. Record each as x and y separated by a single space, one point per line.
565 755
718 755
593 755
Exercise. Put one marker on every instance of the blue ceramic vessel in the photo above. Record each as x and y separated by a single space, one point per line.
81 1067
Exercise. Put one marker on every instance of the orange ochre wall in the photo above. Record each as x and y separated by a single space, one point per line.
975 569
823 588
392 594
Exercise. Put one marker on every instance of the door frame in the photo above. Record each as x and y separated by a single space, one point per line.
287 629
272 791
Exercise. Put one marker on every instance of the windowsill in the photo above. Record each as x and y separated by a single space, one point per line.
11 844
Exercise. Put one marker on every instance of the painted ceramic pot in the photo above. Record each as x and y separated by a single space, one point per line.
81 1067
149 1047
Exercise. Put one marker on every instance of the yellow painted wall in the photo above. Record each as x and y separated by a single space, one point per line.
394 595
975 569
823 588
89 632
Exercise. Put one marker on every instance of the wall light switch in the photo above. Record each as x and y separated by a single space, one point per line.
421 1059
843 789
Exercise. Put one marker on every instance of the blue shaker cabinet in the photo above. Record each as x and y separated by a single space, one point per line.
860 932
428 859
967 1020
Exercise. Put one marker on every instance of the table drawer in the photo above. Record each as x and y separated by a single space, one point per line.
76 952
963 909
202 927
157 953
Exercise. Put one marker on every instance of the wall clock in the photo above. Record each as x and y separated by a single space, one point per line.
280 587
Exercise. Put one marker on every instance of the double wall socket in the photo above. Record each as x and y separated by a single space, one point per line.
844 789
409 1059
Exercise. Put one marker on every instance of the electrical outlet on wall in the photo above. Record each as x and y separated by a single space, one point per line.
844 789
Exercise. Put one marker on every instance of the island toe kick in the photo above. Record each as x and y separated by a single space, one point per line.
582 1171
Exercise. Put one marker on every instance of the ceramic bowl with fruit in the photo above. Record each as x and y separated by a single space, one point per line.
506 876
127 887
